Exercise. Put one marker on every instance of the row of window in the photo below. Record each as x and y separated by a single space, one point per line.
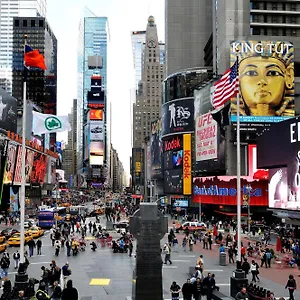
275 19
264 5
31 23
275 31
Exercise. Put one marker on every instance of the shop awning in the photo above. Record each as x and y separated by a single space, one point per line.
229 214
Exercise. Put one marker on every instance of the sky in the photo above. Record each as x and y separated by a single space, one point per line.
123 17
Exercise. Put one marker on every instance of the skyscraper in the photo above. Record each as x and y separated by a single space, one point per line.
8 10
92 68
148 101
188 27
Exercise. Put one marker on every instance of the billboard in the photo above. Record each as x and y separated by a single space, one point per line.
95 99
266 74
206 137
28 164
96 130
97 148
178 117
96 83
14 199
8 112
156 149
203 100
138 158
18 166
10 163
173 181
96 160
96 114
39 168
187 164
221 190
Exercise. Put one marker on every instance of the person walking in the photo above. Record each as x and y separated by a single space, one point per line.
4 263
210 283
31 245
197 285
291 285
66 271
39 246
130 248
167 252
254 268
56 294
16 257
70 292
68 246
41 293
175 290
246 267
187 290
230 255
191 242
184 242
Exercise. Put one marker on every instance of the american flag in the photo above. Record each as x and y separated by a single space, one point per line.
227 86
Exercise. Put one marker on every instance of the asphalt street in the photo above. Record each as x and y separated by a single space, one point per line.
103 275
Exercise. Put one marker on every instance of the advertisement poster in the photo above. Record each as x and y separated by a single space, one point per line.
29 164
10 163
178 117
96 114
187 164
14 199
18 166
96 130
138 166
173 182
156 150
266 73
8 112
97 148
39 168
203 100
206 138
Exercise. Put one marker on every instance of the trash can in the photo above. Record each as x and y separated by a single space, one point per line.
222 261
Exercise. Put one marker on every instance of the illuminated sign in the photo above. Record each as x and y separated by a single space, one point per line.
215 190
187 164
173 144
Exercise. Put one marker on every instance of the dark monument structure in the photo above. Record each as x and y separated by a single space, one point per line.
148 226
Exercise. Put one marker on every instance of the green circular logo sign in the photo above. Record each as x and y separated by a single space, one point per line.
52 123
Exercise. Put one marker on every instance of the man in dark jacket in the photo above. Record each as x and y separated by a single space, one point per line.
242 294
246 266
69 293
187 290
209 282
197 285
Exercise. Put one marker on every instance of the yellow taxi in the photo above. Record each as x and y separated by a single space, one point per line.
2 238
35 231
2 247
15 240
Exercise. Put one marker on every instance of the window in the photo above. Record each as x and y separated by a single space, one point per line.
24 23
274 6
293 6
293 20
274 31
17 23
274 19
255 5
41 23
32 23
256 31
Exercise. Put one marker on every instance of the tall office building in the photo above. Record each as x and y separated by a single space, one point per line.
92 101
188 27
148 103
8 10
41 84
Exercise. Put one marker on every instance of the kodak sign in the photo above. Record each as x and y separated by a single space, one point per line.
187 164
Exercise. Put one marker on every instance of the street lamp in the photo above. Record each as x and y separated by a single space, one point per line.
248 194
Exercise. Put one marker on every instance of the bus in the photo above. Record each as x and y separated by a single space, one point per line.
63 186
47 216
78 210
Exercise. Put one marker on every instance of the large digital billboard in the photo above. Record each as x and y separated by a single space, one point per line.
156 150
138 158
95 99
173 182
8 112
96 114
178 117
187 164
96 130
266 75
97 148
10 163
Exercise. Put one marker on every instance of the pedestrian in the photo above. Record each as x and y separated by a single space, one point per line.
254 268
230 255
31 245
68 246
90 226
56 295
291 286
16 257
41 293
268 258
209 282
175 290
45 277
187 290
200 262
130 247
191 242
4 263
57 247
184 242
197 285
246 267
70 292
242 294
205 241
167 252
66 271
39 246
210 241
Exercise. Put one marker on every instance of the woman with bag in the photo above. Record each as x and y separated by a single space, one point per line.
254 268
291 286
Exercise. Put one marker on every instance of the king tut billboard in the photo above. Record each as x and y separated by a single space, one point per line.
266 76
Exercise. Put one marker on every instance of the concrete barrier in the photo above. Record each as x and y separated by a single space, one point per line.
217 295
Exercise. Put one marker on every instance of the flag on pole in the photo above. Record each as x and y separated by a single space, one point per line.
33 58
43 123
227 87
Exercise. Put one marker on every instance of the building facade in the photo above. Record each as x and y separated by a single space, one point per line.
10 9
92 102
41 84
188 27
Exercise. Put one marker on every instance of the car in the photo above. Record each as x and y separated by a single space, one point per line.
263 227
3 247
15 240
121 224
35 231
2 238
27 224
192 226
8 232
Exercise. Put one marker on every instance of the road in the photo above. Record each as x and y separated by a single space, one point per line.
103 275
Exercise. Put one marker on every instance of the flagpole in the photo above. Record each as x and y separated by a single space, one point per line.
22 193
238 172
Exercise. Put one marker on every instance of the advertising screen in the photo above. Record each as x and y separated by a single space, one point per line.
138 166
168 160
96 114
177 158
266 74
96 83
39 168
181 203
18 175
178 117
156 149
29 164
206 135
10 163
8 112
97 148
95 99
173 181
96 160
187 164
96 130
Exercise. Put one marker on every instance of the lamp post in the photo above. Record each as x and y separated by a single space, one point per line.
249 188
200 212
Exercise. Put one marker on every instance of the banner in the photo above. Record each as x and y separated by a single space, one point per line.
96 114
96 130
156 150
43 123
39 168
8 112
10 163
29 164
266 74
14 199
206 138
187 164
18 175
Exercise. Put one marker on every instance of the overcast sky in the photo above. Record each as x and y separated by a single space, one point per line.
124 17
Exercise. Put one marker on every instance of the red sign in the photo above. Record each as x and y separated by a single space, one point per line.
173 144
221 190
39 168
